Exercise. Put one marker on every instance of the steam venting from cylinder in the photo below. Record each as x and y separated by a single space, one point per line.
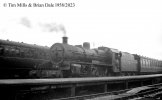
65 40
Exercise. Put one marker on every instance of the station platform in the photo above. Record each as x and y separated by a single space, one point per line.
74 80
75 86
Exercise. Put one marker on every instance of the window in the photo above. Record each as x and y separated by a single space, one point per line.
148 63
1 50
143 62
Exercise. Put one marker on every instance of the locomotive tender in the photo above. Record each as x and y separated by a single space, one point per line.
77 61
18 59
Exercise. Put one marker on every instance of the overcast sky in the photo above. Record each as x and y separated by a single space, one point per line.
133 26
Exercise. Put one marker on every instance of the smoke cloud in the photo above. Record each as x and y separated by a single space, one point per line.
53 27
25 22
43 26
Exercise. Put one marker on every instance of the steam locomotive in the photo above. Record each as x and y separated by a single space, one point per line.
18 59
77 61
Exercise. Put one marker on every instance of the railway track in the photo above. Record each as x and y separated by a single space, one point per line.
150 91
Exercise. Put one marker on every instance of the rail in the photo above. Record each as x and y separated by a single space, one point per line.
119 95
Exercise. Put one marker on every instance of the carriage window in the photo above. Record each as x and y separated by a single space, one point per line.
158 64
148 63
141 62
17 52
22 52
6 50
153 63
144 63
1 50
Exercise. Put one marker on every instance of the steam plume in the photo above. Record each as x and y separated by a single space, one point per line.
26 22
45 27
53 27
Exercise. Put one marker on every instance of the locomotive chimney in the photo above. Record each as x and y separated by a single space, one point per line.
86 45
65 40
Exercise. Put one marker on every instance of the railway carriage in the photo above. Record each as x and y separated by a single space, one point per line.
148 65
18 59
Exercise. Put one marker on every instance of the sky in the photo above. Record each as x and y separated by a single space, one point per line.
133 26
